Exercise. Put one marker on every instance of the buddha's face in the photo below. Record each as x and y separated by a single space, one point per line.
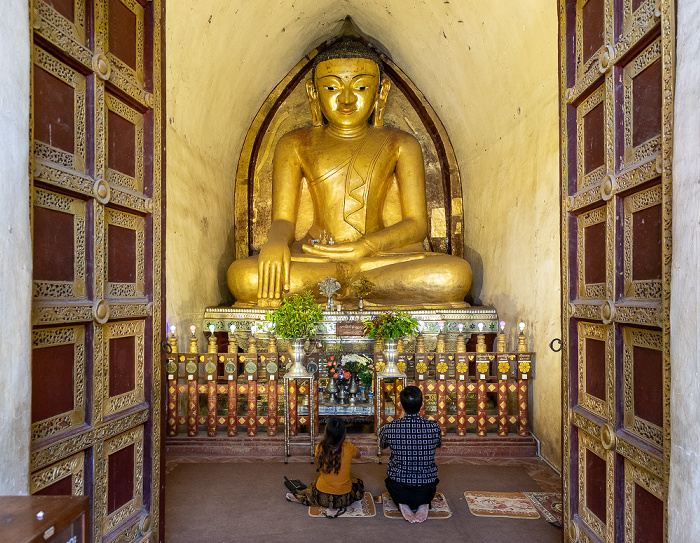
347 89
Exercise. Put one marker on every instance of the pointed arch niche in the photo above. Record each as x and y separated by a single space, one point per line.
287 108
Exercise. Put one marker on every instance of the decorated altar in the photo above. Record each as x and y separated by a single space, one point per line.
474 384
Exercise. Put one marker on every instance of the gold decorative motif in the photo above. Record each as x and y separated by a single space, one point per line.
73 467
482 367
44 150
461 367
421 367
593 177
648 339
100 65
132 437
635 476
607 311
77 208
606 58
586 220
650 148
607 437
101 191
600 406
136 77
121 329
145 525
128 113
71 445
587 444
137 224
50 337
523 367
441 367
634 203
607 187
100 311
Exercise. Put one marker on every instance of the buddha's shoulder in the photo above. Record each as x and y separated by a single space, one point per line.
395 135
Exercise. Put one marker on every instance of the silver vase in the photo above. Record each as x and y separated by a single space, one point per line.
298 355
353 389
391 370
332 389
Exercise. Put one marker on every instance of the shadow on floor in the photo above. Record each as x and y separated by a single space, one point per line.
244 501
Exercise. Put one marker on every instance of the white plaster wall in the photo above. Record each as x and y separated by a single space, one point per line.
490 71
15 250
684 489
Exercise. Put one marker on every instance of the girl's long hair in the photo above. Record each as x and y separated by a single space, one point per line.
331 446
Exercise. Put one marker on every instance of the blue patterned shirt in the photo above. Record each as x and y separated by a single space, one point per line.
413 440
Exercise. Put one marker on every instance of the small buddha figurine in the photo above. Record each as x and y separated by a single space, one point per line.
351 162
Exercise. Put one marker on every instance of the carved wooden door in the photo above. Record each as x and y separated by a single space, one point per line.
96 219
617 59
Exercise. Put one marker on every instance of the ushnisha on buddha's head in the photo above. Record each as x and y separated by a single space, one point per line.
347 88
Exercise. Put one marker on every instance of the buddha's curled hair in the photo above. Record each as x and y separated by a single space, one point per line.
349 48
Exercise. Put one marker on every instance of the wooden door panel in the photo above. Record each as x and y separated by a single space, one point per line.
96 136
59 381
616 136
65 477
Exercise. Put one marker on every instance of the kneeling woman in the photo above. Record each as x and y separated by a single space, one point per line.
335 488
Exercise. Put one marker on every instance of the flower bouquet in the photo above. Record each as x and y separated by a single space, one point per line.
336 370
361 365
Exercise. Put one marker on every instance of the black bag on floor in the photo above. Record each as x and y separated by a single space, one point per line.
293 485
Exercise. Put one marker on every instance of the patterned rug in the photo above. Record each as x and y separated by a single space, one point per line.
360 508
438 507
501 504
549 504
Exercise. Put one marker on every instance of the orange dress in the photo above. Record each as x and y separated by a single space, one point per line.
337 483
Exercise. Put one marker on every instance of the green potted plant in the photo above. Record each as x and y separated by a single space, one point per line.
389 327
295 319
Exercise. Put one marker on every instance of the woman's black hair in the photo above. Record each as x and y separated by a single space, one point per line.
331 446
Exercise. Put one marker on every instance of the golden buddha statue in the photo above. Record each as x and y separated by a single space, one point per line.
351 163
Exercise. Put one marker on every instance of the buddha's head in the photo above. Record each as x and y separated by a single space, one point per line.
347 86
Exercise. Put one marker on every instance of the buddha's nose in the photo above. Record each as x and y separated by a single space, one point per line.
347 96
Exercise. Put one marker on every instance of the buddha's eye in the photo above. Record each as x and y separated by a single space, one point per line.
362 88
330 88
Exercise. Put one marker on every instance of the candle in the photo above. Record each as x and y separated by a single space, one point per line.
503 325
212 327
460 327
480 326
172 330
232 328
193 329
522 327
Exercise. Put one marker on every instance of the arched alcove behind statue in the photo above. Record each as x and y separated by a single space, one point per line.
287 108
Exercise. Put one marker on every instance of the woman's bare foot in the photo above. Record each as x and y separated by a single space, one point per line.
422 513
291 498
407 513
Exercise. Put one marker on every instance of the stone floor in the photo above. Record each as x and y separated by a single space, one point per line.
243 500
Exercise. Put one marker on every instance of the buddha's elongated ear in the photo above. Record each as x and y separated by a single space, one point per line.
312 93
380 103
